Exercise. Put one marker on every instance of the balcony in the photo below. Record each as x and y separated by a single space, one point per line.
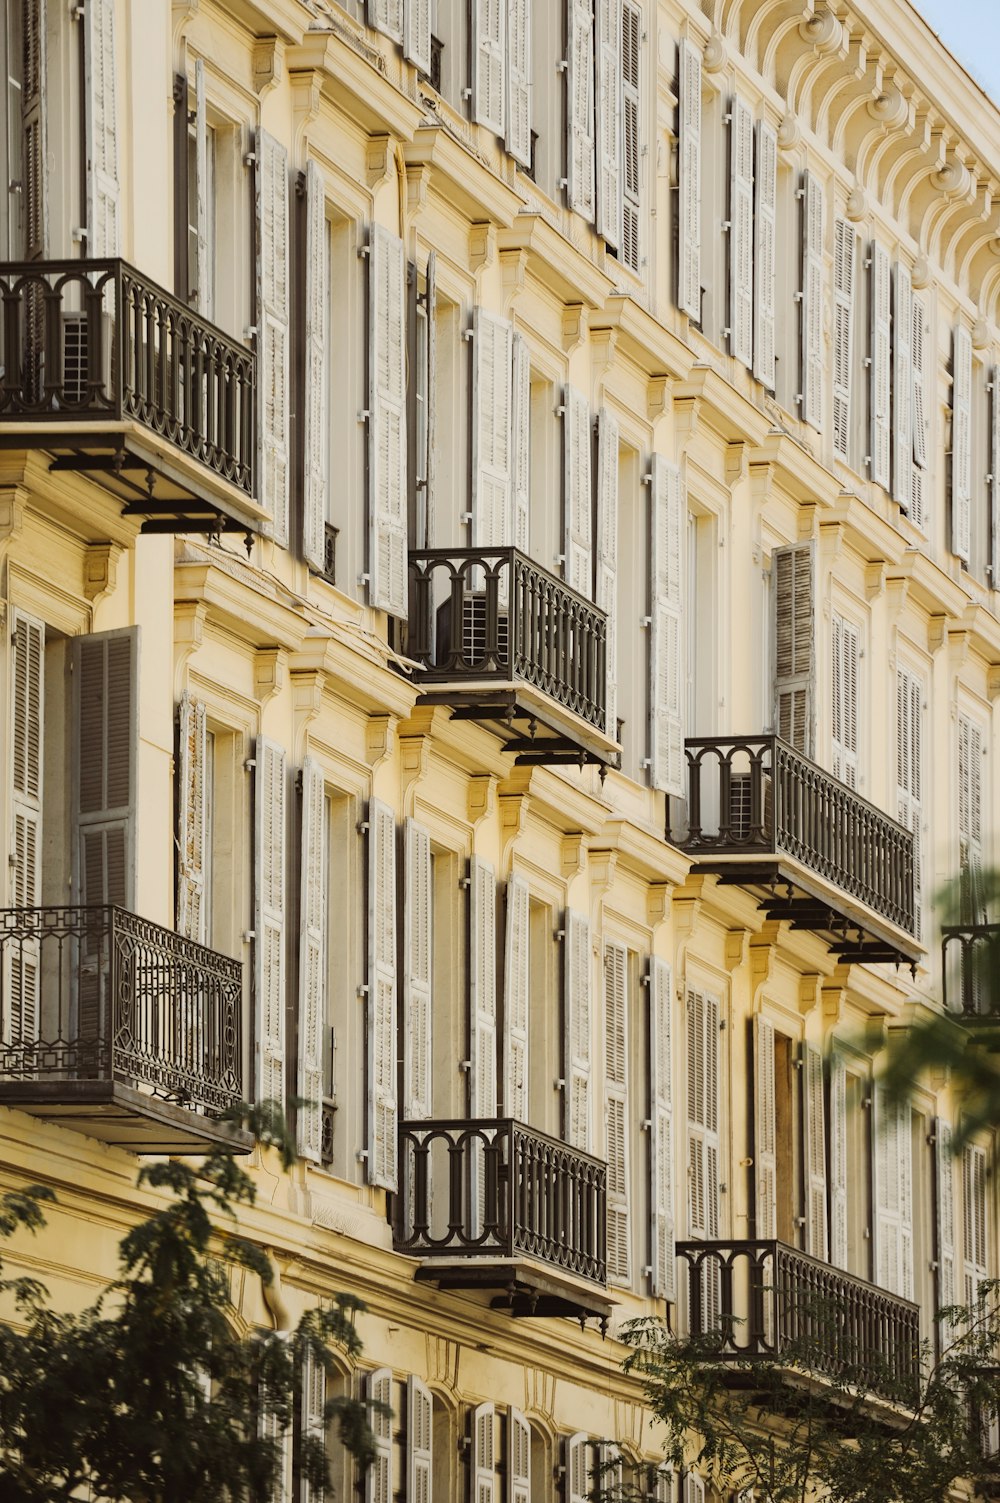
771 1300
819 856
970 971
502 641
115 378
123 1030
492 1204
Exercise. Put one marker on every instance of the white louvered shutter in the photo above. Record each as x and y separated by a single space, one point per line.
32 171
578 492
609 120
192 819
419 1442
313 911
269 923
944 1199
577 1468
519 80
105 673
919 479
844 718
430 422
313 1419
606 573
101 114
793 593
418 929
482 988
703 1113
271 1429
663 1485
666 657
694 1488
902 385
489 63
909 772
515 1011
577 971
961 442
316 405
970 826
630 251
838 1161
387 565
492 350
616 1112
379 1478
881 364
814 1152
741 233
689 194
484 1476
520 456
417 33
661 1122
518 1458
765 253
609 1471
387 17
893 1176
974 1213
765 1129
203 270
273 310
844 247
20 979
382 991
812 301
580 107
994 543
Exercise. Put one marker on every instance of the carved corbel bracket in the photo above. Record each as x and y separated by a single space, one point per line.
834 997
810 992
763 949
875 1032
574 326
687 411
657 903
897 590
513 272
808 512
832 539
418 182
760 480
789 133
875 578
513 818
414 760
686 906
737 462
603 344
958 647
305 84
189 632
657 393
936 631
481 797
737 949
100 569
573 856
268 61
993 683
442 1361
378 161
856 207
13 504
482 246
380 739
269 671
307 693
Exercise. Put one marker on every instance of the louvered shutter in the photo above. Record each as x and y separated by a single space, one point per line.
430 423
577 491
919 480
812 301
22 962
663 1280
844 718
271 1429
616 1112
944 1170
482 988
203 278
577 1030
387 565
484 1477
902 386
893 1175
269 920
580 107
34 196
630 250
417 33
418 930
313 911
101 115
793 593
961 442
192 827
105 676
379 1479
765 1130
387 17
382 983
520 456
741 267
909 772
838 1161
489 63
666 660
974 1220
519 80
419 1442
610 1471
516 989
492 349
316 405
689 188
881 364
577 1468
970 851
273 306
518 1458
313 1419
765 252
694 1488
703 1113
844 244
606 574
994 546
609 181
814 1152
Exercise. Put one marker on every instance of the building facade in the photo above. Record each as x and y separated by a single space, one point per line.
499 537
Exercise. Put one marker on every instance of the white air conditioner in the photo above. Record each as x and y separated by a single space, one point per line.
472 649
73 391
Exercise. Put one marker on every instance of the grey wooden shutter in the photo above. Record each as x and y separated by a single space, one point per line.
944 1200
32 171
961 442
417 33
844 245
101 116
892 1194
489 63
974 1214
909 771
313 915
382 995
689 194
418 932
387 564
812 301
793 593
765 252
519 81
994 478
387 17
316 406
203 271
606 574
663 1281
765 1151
577 492
492 351
482 989
379 1478
666 659
577 1470
902 386
844 717
484 1477
881 364
970 824
814 1152
616 1003
516 998
269 919
313 1418
419 1442
273 307
703 1113
577 972
609 82
518 1458
919 480
22 962
430 422
741 233
580 107
694 1488
520 455
105 678
192 827
631 248
838 1161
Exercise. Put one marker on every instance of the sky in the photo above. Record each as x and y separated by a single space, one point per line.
971 30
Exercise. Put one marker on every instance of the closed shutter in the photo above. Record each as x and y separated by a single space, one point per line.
667 724
419 1442
577 492
616 1002
387 422
919 480
518 1458
844 718
580 107
430 421
482 989
970 805
703 1113
631 250
838 1161
417 33
814 1152
20 979
577 1030
974 1220
203 282
844 243
689 187
663 1280
520 456
314 904
489 63
765 1130
609 120
418 930
606 573
944 1199
881 364
105 676
382 983
316 405
793 593
515 1010
812 301
192 819
893 1175
484 1477
577 1468
387 17
961 442
909 771
379 1479
765 252
33 174
994 545
492 349
519 80
101 115
269 920
902 386
741 232
313 1419
273 307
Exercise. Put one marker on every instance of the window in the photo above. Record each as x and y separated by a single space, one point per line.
702 618
910 773
844 708
971 767
545 1061
617 1004
345 452
856 1129
714 197
632 632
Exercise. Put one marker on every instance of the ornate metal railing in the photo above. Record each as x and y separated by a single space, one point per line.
765 1299
490 1187
970 969
756 795
97 339
491 614
99 994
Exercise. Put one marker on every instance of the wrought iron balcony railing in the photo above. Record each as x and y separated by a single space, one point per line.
492 616
970 970
493 1188
767 1300
92 340
100 995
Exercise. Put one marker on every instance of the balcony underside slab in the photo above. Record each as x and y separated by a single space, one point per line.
527 1288
795 1386
531 725
123 1116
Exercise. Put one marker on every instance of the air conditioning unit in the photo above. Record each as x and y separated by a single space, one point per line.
740 794
470 653
75 390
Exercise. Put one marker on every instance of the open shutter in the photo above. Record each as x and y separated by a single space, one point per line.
970 850
577 491
909 765
703 1114
765 252
663 1280
430 422
32 170
616 1112
379 1479
313 1419
606 574
944 1200
20 978
387 17
663 1484
489 63
812 301
793 592
316 405
577 1030
765 1130
313 911
577 1468
630 251
814 1152
418 929
382 1106
492 349
881 364
919 477
417 33
387 564
974 1220
520 459
272 329
838 1161
844 246
961 442
580 107
609 180
902 386
269 922
845 701
518 1458
893 1177
994 546
419 1442
515 1010
741 232
105 677
484 1475
272 1429
689 187
482 989
519 80
192 816
694 1488
667 729
202 284
610 1471
101 115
